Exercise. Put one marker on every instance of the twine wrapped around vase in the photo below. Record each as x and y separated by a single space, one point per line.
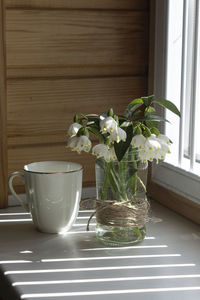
122 214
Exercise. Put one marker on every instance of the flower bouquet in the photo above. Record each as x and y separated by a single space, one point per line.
126 144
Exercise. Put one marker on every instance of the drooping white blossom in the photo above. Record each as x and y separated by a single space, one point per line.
79 144
138 141
73 129
84 144
108 125
72 142
152 143
154 148
101 150
164 138
117 136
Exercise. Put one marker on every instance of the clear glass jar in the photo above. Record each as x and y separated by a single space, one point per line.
122 206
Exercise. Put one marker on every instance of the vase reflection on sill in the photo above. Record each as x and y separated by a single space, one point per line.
122 206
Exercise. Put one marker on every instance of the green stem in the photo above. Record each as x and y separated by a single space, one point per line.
122 177
106 181
115 183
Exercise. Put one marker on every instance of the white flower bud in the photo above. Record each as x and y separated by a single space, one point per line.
101 150
119 135
73 129
164 138
79 144
108 125
138 141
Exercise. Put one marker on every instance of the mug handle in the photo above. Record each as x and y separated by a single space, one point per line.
10 184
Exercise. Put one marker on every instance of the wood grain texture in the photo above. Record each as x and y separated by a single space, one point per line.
40 111
185 207
69 56
79 4
76 43
3 112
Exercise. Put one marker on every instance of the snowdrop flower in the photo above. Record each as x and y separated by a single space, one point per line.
83 144
138 141
72 143
119 135
79 144
101 150
164 138
152 143
108 125
154 149
73 129
146 155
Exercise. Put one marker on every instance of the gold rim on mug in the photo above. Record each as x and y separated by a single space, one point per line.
36 172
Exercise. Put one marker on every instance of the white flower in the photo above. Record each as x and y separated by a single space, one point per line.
108 125
154 148
79 144
138 141
164 138
101 150
152 143
119 135
73 129
72 143
146 155
83 144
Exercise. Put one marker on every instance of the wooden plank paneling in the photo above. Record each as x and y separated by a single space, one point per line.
39 111
79 4
76 43
18 157
69 56
3 113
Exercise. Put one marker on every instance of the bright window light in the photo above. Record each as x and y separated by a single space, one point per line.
98 269
111 292
110 257
110 279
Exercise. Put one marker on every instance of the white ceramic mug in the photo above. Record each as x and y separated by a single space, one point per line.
53 191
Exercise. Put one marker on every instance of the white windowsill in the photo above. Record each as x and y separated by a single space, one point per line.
49 266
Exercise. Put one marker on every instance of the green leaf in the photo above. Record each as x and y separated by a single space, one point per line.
151 124
83 117
169 105
126 124
147 100
152 118
95 131
155 130
121 147
132 106
150 110
91 115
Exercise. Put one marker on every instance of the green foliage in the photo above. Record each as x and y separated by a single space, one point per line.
150 110
152 118
121 147
139 118
168 105
147 100
132 107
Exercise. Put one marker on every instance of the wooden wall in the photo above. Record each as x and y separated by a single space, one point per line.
67 56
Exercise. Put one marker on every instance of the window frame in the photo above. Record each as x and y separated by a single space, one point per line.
166 181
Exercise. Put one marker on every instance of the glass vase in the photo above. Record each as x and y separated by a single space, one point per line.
122 206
